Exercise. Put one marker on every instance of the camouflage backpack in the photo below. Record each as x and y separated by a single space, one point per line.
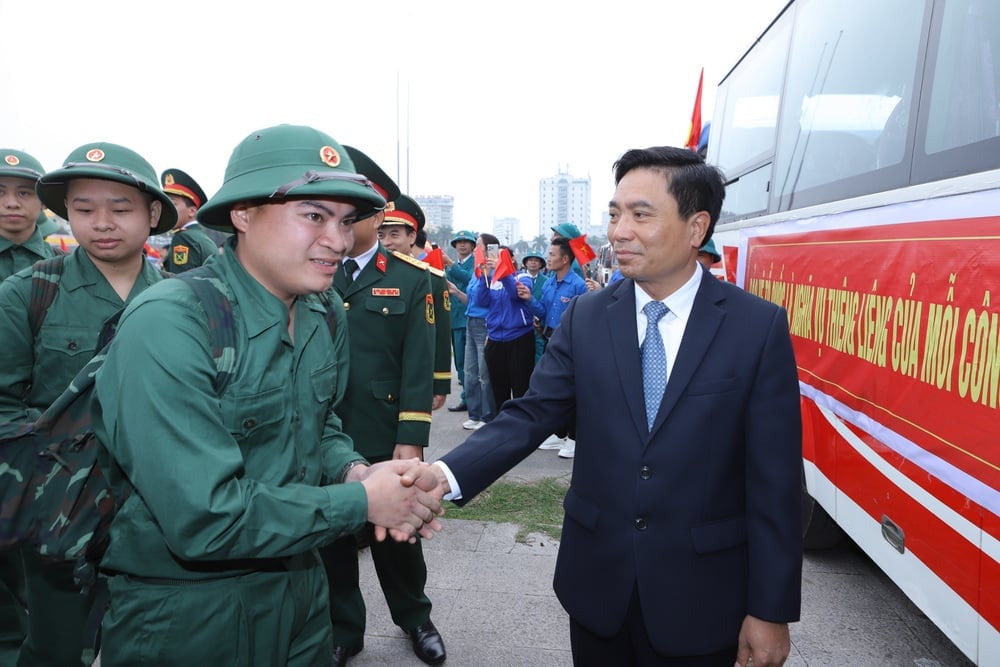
53 496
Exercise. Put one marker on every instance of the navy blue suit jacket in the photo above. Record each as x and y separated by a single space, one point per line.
702 513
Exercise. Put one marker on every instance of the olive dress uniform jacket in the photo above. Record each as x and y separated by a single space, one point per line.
442 332
390 313
14 257
34 371
223 483
190 247
700 514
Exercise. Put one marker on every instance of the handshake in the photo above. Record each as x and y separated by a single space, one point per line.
404 497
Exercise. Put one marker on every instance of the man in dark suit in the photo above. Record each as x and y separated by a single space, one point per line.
681 542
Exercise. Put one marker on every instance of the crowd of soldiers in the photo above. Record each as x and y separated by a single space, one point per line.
229 493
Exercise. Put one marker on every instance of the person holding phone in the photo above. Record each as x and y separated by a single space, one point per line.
510 330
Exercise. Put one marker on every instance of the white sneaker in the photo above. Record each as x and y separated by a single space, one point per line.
470 424
568 450
553 442
478 426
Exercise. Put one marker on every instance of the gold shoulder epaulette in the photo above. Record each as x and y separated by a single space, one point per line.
413 261
437 272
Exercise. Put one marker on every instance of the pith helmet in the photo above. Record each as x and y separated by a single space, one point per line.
463 235
536 255
107 162
20 165
567 230
286 161
709 248
404 211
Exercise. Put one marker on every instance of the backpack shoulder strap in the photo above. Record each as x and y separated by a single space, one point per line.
214 296
331 313
45 277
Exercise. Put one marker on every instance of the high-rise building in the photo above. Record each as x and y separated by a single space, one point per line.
508 230
563 198
439 210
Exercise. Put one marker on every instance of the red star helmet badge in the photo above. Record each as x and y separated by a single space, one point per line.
11 160
95 155
329 156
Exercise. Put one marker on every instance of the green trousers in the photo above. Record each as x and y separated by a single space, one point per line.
13 618
402 574
59 634
261 619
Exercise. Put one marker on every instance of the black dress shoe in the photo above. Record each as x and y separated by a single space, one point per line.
461 407
427 643
341 654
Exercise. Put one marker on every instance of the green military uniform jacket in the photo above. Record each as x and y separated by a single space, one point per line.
390 313
224 482
442 332
460 273
34 371
189 247
14 257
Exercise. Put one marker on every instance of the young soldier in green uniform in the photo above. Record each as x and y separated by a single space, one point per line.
113 202
387 412
190 245
21 241
21 245
401 231
212 558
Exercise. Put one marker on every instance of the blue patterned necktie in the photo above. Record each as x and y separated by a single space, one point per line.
654 360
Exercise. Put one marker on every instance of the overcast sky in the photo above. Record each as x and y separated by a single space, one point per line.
491 96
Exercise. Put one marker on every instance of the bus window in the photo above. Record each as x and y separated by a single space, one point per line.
745 124
964 98
846 107
962 121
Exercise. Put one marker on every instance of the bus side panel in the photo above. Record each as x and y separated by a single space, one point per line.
897 342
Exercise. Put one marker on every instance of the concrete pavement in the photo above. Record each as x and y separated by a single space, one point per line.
492 597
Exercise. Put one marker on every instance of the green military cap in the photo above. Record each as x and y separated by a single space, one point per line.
404 211
368 167
20 165
286 161
463 235
177 182
567 230
107 162
46 225
709 248
536 255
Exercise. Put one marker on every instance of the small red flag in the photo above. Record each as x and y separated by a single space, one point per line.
694 132
479 257
505 266
582 250
435 258
62 245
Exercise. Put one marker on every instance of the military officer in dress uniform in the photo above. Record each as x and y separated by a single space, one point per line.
190 244
403 226
22 241
387 412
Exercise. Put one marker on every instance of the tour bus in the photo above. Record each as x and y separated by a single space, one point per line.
860 142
